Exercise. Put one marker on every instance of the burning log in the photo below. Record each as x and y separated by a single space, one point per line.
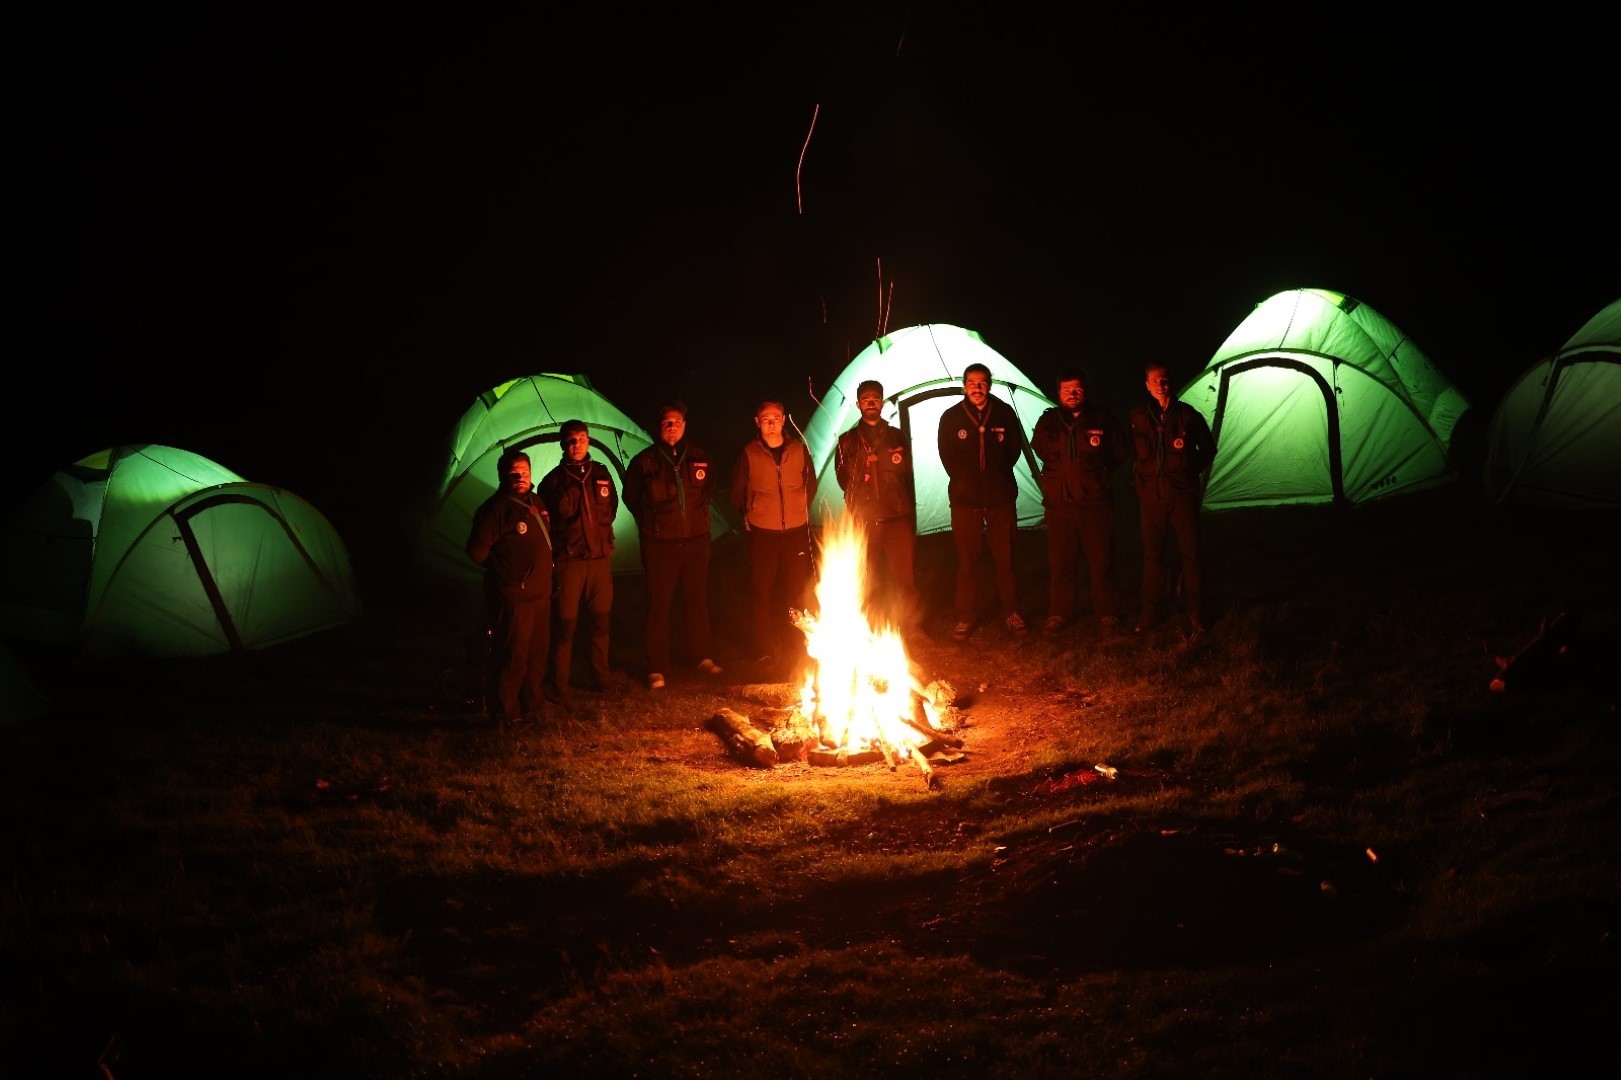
743 739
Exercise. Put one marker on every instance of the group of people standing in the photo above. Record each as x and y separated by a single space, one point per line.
547 548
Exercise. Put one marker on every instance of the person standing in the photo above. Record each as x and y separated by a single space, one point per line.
509 538
580 497
1079 446
668 487
980 442
1173 449
874 467
772 486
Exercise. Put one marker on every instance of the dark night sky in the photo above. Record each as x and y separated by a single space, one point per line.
300 242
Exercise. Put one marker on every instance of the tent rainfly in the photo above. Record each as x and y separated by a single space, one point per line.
1555 439
524 414
1318 398
921 369
146 550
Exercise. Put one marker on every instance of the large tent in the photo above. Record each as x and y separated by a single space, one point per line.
1317 398
525 414
147 550
1555 439
921 369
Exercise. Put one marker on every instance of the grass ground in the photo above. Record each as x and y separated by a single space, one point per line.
1327 849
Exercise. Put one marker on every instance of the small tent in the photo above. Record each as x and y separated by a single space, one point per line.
149 550
524 414
1318 398
921 370
1555 439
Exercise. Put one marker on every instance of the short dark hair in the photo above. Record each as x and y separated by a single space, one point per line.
761 407
675 405
870 384
1072 374
569 427
507 460
972 369
1156 365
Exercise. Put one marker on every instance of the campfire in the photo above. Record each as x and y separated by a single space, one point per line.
862 699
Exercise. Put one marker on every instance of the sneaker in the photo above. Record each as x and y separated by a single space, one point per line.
1053 624
708 666
962 631
655 681
1015 623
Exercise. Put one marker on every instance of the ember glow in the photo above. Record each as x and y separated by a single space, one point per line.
861 691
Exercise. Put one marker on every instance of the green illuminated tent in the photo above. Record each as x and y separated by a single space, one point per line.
147 550
524 414
921 370
1317 398
1555 439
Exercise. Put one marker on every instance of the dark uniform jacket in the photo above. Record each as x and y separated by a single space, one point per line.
773 496
509 539
979 452
668 490
1077 454
582 502
1172 450
874 467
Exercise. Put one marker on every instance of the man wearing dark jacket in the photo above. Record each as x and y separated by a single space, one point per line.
509 539
1174 449
1079 446
580 497
667 488
874 466
981 439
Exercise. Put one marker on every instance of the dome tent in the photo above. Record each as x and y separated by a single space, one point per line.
524 414
1555 438
1317 398
921 370
148 550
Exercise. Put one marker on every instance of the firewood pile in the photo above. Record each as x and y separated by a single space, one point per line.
776 735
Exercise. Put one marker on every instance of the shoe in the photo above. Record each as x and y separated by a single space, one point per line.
1108 625
1015 624
962 631
655 681
1053 624
1195 630
708 666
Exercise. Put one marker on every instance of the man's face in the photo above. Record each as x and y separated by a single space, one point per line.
577 445
672 426
769 421
976 387
515 481
1071 394
1159 384
871 404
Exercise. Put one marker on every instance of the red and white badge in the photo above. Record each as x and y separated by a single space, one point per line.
523 528
602 489
1177 444
698 473
962 433
895 458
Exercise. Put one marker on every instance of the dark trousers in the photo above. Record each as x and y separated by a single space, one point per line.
1178 512
670 564
892 548
588 583
1073 531
520 627
972 528
780 574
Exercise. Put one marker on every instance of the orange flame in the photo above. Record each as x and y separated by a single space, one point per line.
861 690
